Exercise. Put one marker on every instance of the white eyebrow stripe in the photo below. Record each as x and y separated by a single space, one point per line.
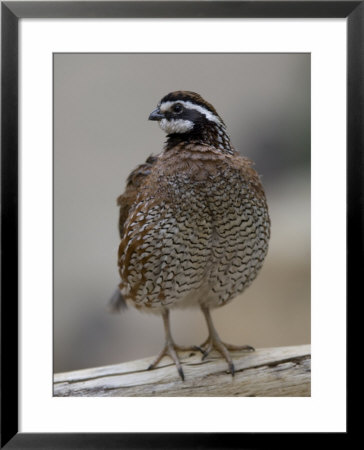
165 106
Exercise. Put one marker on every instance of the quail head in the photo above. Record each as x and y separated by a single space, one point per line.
194 223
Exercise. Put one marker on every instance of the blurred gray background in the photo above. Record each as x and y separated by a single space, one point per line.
101 132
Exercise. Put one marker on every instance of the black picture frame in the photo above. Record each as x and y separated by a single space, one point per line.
11 12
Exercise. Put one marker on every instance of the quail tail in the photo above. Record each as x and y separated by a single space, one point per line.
117 302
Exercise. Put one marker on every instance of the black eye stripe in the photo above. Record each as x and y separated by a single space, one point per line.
185 114
177 107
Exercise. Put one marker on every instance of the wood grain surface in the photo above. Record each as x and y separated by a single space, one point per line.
267 372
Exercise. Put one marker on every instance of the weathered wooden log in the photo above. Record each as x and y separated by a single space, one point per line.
267 372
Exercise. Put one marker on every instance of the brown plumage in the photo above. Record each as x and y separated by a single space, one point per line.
133 183
193 223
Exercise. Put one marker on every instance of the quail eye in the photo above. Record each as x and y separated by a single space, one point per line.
177 108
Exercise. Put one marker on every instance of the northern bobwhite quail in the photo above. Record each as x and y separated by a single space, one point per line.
194 222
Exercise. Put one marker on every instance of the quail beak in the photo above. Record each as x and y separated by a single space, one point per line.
156 115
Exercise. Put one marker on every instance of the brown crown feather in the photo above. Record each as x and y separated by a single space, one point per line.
189 96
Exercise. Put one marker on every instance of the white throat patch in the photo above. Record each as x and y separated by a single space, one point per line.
175 125
165 106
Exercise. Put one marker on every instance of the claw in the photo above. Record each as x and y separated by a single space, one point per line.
206 351
232 369
168 350
181 374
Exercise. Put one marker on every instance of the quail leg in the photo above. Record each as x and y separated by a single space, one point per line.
170 347
214 342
